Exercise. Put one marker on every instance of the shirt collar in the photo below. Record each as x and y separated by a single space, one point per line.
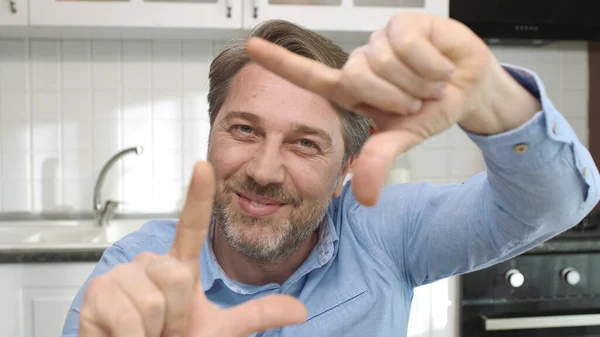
211 271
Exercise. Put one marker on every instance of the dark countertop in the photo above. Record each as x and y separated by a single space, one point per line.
50 256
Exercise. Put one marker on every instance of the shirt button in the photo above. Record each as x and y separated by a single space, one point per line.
521 148
554 127
584 172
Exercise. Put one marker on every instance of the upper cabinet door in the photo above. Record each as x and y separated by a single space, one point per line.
338 15
137 13
13 12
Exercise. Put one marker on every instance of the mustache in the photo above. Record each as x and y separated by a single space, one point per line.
271 191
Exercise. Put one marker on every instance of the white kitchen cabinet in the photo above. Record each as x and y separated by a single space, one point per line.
214 14
338 15
13 12
36 297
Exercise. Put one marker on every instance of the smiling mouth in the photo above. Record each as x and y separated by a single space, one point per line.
257 206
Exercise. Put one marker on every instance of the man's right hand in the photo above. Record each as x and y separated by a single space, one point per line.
161 296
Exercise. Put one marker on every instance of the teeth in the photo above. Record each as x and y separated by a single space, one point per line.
256 204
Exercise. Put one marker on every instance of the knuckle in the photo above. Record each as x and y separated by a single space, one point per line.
120 271
180 277
153 306
98 285
375 36
145 258
406 43
352 71
383 62
124 316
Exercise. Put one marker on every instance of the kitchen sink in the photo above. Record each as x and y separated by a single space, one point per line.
64 234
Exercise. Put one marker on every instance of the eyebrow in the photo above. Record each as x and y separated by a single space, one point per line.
297 127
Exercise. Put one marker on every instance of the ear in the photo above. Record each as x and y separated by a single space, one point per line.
345 170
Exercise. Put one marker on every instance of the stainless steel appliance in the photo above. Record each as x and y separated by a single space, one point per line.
550 291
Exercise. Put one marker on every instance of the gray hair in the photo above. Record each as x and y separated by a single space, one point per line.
299 40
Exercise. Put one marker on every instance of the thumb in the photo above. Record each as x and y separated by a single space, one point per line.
269 312
376 159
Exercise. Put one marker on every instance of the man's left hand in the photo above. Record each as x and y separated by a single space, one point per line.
415 78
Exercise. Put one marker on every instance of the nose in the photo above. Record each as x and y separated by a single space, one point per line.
266 165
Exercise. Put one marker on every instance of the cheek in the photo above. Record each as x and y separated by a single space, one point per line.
313 179
226 156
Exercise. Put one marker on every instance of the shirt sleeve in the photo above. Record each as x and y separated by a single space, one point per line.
540 181
121 252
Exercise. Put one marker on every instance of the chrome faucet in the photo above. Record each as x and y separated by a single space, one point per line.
104 211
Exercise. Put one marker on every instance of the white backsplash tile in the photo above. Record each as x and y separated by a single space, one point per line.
14 67
106 104
106 134
167 68
76 104
45 135
195 105
46 105
45 64
136 65
77 195
574 75
14 105
195 134
76 71
573 105
15 136
47 165
77 134
76 164
166 104
167 165
67 106
137 132
16 195
106 64
47 196
580 125
196 64
16 166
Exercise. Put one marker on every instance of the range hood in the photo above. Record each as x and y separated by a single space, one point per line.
529 20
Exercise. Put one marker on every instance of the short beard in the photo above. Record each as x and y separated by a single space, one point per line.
277 241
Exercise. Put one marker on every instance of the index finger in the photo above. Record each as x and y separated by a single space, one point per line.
302 71
195 218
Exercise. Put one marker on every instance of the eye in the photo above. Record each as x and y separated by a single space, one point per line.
244 128
307 143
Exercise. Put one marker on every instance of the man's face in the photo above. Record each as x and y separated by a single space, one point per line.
277 150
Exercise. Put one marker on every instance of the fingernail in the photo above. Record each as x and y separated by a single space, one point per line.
415 106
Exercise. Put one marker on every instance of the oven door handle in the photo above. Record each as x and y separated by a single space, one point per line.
541 322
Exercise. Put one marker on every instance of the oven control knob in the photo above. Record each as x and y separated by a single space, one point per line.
514 278
571 276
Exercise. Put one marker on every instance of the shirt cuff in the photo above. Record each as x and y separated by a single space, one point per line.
534 143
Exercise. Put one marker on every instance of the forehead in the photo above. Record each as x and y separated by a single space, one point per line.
279 101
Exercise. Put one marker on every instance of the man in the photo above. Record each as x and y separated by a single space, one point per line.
278 253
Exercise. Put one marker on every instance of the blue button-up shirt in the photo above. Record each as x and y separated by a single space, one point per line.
359 278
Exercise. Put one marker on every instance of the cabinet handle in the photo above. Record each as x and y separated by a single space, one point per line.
255 9
228 6
13 6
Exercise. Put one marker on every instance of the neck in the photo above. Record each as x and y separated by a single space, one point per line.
240 268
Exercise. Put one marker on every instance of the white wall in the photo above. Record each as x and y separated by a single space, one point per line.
66 106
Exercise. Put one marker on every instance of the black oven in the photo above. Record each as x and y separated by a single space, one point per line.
550 291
